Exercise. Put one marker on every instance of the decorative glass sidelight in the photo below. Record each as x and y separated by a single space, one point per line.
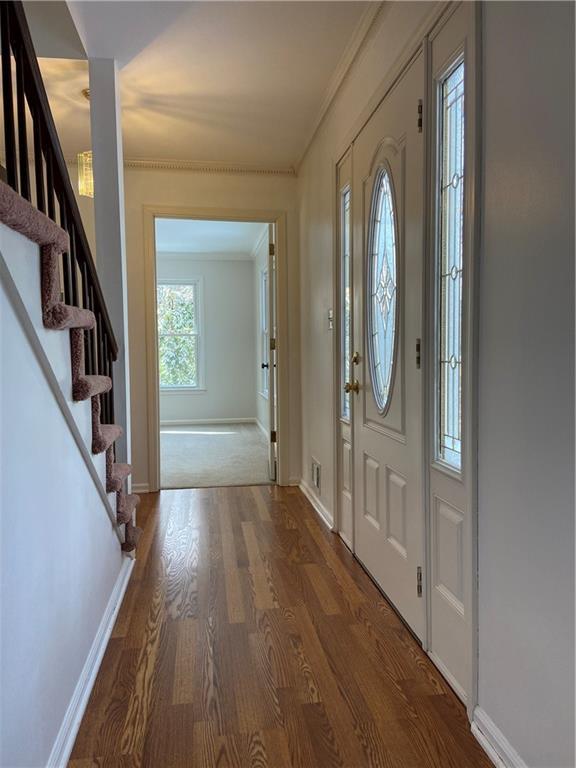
382 290
345 303
449 266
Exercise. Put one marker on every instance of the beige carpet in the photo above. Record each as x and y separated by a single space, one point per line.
205 456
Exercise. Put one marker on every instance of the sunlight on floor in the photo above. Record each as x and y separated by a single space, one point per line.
207 456
194 432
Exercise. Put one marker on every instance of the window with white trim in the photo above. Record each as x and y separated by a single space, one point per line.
179 311
264 335
449 266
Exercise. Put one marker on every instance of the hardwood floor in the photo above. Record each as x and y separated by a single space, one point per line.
249 636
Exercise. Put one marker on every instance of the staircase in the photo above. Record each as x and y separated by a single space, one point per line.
42 207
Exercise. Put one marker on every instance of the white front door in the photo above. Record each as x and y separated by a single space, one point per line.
388 221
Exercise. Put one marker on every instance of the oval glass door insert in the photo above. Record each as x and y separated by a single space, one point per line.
382 290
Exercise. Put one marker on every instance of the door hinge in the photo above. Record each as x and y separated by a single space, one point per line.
272 344
271 249
419 581
418 353
419 115
273 436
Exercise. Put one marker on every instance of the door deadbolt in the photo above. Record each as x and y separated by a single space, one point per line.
352 387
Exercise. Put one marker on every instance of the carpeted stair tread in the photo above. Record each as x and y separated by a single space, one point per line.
116 476
103 435
59 317
90 386
132 537
108 434
19 214
125 507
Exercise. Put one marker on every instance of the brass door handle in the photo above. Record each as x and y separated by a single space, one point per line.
352 387
356 358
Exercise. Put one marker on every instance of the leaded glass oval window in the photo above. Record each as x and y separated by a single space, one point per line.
382 290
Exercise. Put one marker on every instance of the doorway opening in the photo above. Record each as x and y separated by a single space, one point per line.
215 343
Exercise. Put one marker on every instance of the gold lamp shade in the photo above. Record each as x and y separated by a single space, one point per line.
85 174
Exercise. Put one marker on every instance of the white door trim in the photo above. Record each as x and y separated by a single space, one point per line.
337 189
152 212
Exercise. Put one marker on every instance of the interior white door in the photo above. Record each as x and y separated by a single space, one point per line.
345 355
388 216
272 355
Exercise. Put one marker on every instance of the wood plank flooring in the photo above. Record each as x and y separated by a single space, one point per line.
249 636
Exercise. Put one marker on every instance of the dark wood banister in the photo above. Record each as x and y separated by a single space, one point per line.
51 182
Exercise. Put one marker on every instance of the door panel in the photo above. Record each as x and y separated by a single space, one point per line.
388 435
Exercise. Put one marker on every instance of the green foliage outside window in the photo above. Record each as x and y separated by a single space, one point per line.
178 335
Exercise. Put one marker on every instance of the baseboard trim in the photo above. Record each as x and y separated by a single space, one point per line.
321 510
140 488
205 422
346 541
494 743
454 684
66 737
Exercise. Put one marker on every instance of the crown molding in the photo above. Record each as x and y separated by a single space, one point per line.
153 164
207 167
369 20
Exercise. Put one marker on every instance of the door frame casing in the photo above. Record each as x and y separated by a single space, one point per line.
264 216
422 40
337 331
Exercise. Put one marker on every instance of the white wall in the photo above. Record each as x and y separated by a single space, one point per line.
260 264
60 558
526 449
208 191
229 355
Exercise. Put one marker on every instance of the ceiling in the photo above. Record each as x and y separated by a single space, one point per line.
235 239
225 82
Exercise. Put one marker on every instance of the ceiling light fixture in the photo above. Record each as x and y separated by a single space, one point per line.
85 174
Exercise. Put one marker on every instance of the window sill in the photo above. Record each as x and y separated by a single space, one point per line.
182 390
265 395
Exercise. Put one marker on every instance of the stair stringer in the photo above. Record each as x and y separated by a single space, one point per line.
26 275
21 217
